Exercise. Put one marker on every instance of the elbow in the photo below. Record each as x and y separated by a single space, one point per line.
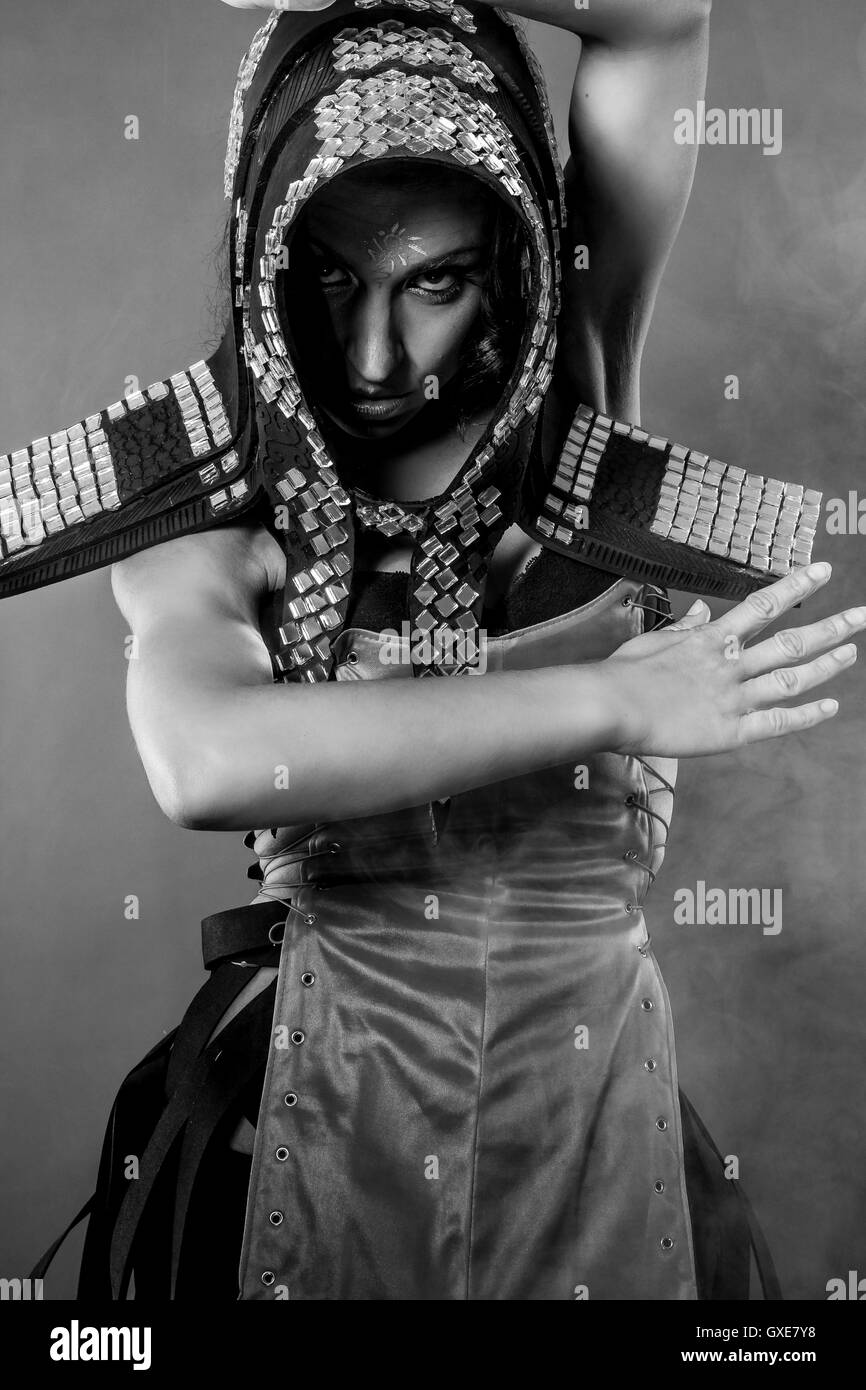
178 805
191 812
183 813
198 799
217 783
186 794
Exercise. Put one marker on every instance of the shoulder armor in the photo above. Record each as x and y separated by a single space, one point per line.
637 505
171 459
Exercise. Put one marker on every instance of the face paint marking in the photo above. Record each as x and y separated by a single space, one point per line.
388 249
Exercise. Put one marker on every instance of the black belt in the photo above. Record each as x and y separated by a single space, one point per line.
240 931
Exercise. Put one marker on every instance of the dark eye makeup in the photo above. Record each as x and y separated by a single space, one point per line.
332 277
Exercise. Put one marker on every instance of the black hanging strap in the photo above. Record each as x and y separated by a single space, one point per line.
240 1033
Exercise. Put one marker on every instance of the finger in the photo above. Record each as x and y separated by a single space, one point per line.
774 723
765 605
798 643
279 4
788 681
696 616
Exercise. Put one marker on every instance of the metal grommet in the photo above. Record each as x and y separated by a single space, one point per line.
310 919
298 1037
646 1005
281 1154
353 658
630 907
630 799
625 602
650 1064
334 847
308 978
630 854
661 1122
667 1242
290 1098
277 940
268 1277
658 1186
276 1218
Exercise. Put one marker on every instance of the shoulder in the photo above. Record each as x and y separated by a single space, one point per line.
231 568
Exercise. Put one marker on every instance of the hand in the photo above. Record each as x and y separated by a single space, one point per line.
694 688
279 4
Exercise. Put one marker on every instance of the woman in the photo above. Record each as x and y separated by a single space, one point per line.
434 1057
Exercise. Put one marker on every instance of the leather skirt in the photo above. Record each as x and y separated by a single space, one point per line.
177 1231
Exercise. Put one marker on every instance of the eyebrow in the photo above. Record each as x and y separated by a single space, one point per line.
417 266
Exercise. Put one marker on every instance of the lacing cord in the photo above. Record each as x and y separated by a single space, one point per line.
305 835
332 848
631 856
631 800
281 927
664 615
285 855
649 768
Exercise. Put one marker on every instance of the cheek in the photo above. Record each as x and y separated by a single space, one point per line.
436 335
322 312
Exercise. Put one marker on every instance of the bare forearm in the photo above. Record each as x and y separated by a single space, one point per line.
271 755
620 22
610 20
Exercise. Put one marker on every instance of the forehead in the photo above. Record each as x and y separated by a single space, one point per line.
350 212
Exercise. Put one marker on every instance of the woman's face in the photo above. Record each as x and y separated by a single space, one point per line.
397 280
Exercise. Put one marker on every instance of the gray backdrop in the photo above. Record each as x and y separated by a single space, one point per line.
105 272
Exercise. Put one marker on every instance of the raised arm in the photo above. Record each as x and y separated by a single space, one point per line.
627 186
627 182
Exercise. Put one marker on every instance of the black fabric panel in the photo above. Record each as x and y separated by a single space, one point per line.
629 480
378 600
551 585
147 446
719 1223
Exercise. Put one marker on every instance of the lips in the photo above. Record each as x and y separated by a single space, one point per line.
376 407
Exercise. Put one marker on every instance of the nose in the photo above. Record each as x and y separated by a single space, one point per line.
372 344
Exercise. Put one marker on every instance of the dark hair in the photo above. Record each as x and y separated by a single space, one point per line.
489 355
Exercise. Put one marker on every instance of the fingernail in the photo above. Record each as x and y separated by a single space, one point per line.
819 570
828 706
845 653
855 615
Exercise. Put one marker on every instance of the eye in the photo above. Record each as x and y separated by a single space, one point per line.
440 284
435 279
329 275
